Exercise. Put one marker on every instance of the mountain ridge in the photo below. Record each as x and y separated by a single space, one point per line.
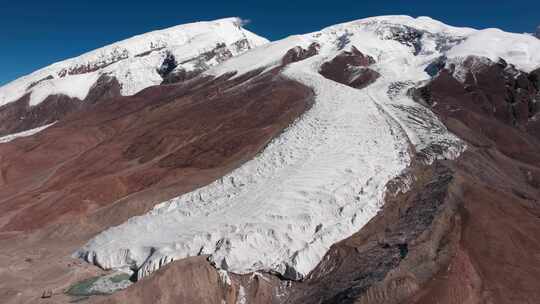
227 31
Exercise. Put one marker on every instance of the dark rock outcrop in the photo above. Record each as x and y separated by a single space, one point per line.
199 64
168 65
405 35
350 68
298 53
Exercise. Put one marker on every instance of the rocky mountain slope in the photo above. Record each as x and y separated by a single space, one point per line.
386 160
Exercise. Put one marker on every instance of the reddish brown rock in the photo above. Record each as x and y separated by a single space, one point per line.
350 68
467 231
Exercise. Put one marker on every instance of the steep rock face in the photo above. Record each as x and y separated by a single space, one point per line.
500 188
350 68
298 53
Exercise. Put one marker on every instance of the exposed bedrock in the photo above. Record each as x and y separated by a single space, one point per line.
350 68
173 72
298 53
488 104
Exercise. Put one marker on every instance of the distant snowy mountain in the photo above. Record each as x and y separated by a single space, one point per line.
138 62
537 33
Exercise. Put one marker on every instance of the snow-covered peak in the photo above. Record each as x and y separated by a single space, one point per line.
135 61
421 23
422 39
521 50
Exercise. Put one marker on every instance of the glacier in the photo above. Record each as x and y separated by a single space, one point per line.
134 62
317 183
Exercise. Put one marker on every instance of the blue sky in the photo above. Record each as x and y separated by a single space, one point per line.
34 33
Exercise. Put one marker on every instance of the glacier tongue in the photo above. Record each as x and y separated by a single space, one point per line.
317 183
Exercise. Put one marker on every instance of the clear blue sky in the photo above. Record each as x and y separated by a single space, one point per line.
35 33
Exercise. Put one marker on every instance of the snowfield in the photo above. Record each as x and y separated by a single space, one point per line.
133 62
317 183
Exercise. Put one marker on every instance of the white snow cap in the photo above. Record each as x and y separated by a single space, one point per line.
521 50
132 61
379 36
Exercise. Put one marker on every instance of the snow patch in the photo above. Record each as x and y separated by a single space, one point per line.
10 137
